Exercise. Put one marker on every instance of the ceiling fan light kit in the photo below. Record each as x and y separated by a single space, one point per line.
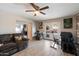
36 12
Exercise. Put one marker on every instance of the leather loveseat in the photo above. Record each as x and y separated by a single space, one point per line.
7 45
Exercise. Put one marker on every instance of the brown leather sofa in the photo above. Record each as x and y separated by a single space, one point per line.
8 46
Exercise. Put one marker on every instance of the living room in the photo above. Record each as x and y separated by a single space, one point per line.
41 23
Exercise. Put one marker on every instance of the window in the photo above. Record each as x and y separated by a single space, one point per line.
19 28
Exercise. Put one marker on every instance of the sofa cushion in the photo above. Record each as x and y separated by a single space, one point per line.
5 39
7 46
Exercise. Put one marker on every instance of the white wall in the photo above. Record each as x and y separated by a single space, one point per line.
33 28
8 22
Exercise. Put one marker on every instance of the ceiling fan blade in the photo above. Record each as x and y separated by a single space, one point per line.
29 10
43 13
44 8
34 6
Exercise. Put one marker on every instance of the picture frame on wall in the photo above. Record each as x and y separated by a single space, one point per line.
40 25
68 23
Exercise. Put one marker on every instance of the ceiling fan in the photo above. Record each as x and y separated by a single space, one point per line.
37 9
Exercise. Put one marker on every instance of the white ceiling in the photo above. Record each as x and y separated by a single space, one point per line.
55 10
